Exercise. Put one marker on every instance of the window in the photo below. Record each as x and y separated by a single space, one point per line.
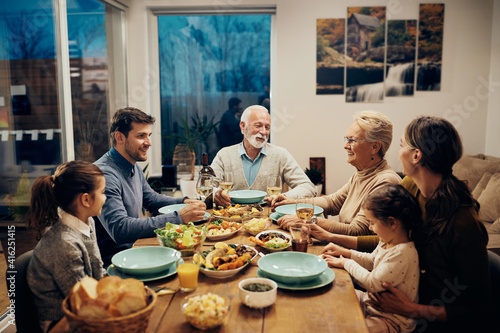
33 129
205 60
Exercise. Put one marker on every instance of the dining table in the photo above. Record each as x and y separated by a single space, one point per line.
333 307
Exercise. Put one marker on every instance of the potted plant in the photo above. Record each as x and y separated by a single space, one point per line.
184 156
316 177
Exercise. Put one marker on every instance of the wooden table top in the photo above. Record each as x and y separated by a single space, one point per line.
331 308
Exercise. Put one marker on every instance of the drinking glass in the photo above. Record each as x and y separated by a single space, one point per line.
301 233
273 188
187 271
204 186
227 182
304 208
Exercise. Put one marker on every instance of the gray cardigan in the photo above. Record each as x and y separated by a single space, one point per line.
278 161
61 258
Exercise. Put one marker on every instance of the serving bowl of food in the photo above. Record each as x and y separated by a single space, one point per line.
220 229
185 238
205 311
225 260
237 212
256 225
273 240
292 267
145 260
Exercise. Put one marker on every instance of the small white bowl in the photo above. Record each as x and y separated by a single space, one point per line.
258 299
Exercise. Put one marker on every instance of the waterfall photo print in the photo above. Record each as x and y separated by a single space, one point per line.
330 56
430 46
400 63
365 54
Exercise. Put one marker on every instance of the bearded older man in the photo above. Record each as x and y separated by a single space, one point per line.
254 160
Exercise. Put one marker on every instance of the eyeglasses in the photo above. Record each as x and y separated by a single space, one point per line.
351 141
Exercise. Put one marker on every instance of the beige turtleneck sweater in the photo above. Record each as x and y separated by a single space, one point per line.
346 202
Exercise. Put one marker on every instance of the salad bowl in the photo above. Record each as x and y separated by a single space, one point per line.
185 238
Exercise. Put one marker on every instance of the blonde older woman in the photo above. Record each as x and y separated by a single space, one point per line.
366 142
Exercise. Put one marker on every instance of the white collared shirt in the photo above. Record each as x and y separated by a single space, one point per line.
74 222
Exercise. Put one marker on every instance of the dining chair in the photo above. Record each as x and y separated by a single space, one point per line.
25 311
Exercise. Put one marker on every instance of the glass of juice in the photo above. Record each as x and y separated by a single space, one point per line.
187 271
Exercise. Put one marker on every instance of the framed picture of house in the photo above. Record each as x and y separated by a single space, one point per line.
366 54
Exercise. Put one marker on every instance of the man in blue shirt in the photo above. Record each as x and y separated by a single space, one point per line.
127 190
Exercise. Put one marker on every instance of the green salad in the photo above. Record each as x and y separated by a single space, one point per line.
181 237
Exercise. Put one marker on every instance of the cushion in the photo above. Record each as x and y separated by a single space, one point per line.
495 227
481 185
490 200
471 169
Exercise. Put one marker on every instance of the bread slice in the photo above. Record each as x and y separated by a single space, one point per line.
93 309
108 288
128 302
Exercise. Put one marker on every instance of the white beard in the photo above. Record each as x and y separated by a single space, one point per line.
257 144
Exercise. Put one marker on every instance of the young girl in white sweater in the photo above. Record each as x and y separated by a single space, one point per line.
61 210
394 216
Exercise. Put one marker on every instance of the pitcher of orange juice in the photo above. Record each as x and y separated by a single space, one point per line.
187 271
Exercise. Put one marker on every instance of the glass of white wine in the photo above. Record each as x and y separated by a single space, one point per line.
204 186
227 182
304 208
273 188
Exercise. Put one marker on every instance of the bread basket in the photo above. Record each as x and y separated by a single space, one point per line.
136 322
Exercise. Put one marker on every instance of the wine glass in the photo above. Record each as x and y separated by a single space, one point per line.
204 186
227 182
273 188
304 208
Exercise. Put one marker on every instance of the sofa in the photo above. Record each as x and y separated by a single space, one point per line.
482 174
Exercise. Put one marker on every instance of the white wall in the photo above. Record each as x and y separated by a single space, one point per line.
313 126
493 123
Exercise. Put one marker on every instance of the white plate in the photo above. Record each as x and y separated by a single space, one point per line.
325 278
171 270
265 232
247 196
174 208
220 237
229 273
290 210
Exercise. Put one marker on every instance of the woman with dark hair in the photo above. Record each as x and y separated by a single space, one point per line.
61 210
455 286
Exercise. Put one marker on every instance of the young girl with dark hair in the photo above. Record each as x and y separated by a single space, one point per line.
395 217
61 210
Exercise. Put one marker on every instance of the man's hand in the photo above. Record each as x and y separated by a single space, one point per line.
336 250
193 212
190 201
222 199
287 220
281 199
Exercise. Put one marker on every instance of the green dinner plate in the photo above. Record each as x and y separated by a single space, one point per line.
247 196
325 278
149 277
